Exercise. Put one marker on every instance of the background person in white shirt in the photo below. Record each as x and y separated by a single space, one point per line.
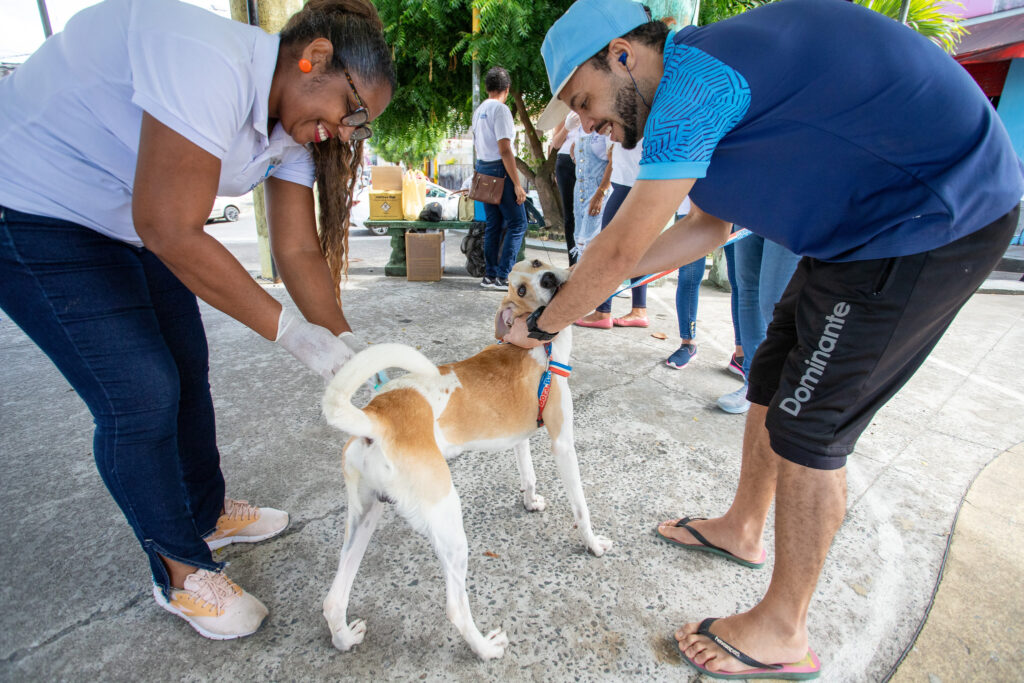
493 131
115 137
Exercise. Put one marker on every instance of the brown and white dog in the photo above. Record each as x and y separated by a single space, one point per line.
403 437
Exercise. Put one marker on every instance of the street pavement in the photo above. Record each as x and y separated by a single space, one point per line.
76 599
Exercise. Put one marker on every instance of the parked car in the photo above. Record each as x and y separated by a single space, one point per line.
359 212
224 210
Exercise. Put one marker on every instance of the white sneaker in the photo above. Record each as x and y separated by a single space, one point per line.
735 402
244 523
214 605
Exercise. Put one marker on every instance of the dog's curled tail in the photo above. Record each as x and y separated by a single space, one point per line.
337 401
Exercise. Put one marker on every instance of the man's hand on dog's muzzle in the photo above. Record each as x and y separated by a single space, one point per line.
518 334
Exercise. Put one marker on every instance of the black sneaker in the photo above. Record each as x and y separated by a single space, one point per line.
488 283
500 283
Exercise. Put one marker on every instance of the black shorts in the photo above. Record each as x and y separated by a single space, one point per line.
845 337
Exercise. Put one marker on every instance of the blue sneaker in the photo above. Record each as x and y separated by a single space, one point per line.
683 355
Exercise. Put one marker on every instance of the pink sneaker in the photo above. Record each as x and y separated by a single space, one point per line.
603 324
214 605
244 523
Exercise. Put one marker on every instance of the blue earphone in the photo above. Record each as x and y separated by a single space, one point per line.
622 61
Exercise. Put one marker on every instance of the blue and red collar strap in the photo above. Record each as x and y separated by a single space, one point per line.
544 389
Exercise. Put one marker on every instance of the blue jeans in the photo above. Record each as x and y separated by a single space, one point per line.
763 269
687 292
734 294
611 207
127 335
500 254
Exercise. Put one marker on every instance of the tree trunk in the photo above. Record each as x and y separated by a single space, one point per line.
544 175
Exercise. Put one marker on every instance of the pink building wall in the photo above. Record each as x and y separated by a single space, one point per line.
977 8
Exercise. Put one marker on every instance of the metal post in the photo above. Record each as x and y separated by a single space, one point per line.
45 17
476 71
904 11
252 13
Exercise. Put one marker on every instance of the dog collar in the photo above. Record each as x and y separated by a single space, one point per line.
554 367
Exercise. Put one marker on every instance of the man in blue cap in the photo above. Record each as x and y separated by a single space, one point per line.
885 167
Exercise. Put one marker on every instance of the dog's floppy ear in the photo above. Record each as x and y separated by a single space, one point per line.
503 320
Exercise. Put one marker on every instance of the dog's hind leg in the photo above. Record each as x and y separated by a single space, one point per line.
364 511
527 479
445 531
563 446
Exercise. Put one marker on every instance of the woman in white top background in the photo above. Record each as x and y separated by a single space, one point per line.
115 138
493 132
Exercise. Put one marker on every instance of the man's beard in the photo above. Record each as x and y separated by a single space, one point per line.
625 108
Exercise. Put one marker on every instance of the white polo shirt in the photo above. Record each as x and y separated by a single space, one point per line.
626 163
492 121
70 116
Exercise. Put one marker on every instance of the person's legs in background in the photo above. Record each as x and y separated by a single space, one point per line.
747 257
638 316
601 318
736 362
565 176
763 269
514 217
493 226
687 294
777 267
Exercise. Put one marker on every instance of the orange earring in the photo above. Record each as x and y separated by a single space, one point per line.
305 66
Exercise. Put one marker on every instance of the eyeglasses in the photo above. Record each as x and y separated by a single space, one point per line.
359 117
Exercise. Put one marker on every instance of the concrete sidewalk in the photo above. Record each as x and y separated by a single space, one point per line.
76 600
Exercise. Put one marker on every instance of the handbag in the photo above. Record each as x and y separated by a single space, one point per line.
486 188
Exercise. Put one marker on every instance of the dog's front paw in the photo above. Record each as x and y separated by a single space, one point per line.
600 545
493 646
347 637
534 503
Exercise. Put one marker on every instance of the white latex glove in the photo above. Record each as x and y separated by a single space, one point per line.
353 342
572 121
315 346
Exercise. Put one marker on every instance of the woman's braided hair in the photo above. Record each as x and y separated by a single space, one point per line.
357 34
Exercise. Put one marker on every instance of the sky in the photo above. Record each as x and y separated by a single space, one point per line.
21 30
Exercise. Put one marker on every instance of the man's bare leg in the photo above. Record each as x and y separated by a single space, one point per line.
809 508
740 530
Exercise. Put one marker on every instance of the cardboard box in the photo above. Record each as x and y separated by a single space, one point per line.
424 256
385 205
386 177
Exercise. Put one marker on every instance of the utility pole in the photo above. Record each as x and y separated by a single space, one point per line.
476 70
271 16
45 17
904 11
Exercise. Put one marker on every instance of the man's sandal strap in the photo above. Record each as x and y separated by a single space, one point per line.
705 630
685 524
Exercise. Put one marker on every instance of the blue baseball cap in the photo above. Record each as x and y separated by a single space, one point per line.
579 34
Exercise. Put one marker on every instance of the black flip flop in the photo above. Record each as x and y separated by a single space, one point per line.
707 546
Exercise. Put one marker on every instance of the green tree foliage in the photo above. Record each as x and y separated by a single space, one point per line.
931 18
433 44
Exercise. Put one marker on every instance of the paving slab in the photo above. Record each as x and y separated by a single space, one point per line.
76 602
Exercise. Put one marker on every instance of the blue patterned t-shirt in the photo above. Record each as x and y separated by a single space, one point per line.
831 129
